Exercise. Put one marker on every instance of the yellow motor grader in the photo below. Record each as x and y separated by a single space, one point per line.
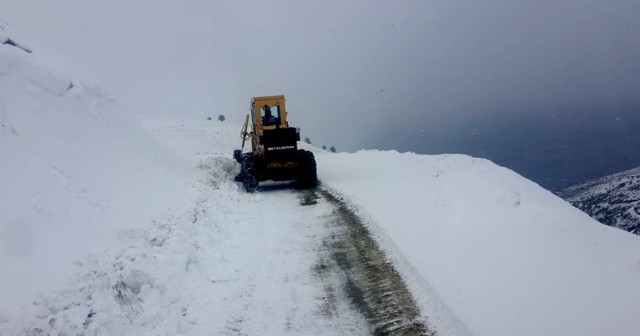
274 151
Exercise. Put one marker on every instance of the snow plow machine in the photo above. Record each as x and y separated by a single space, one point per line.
274 151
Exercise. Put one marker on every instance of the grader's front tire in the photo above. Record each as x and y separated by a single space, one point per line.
249 174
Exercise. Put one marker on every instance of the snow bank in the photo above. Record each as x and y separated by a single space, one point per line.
505 255
74 169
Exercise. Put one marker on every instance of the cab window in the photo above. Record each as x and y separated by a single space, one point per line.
270 114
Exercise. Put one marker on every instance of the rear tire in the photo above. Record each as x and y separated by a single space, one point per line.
307 175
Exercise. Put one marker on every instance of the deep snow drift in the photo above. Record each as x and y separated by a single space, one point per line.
74 169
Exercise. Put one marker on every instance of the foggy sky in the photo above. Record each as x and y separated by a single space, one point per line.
547 88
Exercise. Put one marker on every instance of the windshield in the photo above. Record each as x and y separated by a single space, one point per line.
270 114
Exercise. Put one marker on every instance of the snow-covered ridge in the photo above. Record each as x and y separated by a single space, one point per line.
47 70
73 166
613 200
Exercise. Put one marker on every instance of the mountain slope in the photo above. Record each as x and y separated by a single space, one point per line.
613 200
74 169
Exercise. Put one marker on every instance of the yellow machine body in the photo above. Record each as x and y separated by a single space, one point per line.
274 147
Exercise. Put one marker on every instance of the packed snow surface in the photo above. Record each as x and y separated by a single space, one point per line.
483 250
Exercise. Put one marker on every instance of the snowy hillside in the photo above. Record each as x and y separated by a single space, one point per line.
178 249
74 169
613 200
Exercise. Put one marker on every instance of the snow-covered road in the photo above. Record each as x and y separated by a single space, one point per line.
277 286
224 262
280 267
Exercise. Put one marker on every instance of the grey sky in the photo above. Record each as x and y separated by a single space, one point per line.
503 79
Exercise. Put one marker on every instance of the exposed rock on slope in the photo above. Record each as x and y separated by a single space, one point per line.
613 200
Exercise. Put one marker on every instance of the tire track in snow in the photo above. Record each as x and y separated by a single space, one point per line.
370 282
